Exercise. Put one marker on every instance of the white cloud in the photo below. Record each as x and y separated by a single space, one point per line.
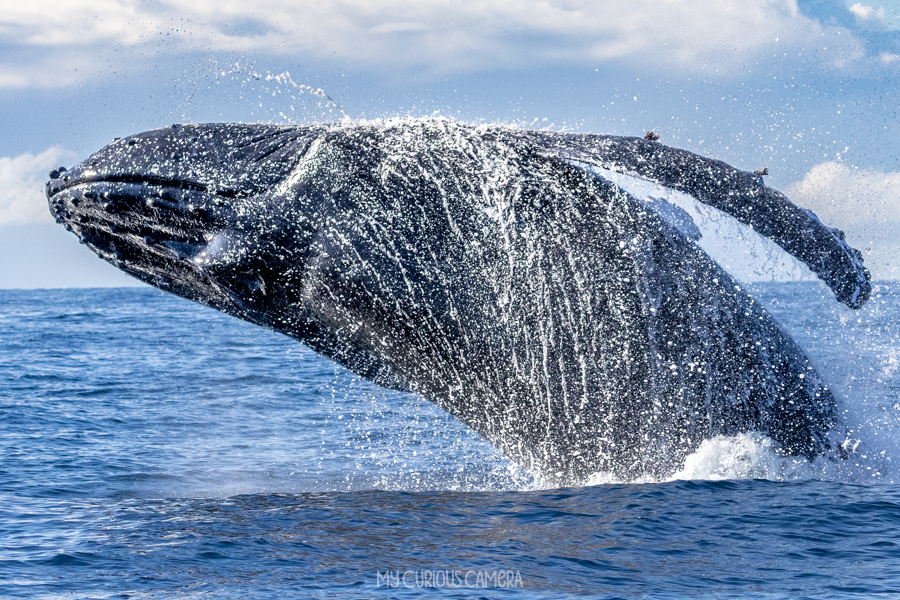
867 13
848 196
77 22
22 180
865 204
724 36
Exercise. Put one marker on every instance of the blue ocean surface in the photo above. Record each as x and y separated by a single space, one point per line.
150 447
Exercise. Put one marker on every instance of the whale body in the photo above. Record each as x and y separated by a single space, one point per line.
490 270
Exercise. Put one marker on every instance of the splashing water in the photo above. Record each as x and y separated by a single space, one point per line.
276 97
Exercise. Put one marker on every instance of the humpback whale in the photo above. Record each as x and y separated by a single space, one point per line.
491 270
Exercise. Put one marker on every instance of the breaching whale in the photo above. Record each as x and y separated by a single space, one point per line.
488 269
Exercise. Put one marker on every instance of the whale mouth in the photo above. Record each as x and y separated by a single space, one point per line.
151 228
64 182
123 209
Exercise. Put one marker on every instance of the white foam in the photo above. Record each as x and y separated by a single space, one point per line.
743 456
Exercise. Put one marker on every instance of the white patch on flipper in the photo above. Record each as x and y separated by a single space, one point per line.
676 216
742 252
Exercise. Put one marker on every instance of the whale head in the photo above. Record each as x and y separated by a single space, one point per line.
169 207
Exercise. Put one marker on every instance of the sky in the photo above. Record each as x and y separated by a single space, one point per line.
809 89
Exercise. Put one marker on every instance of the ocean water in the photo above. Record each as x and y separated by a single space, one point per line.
150 447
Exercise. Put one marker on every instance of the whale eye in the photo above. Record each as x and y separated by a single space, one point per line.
256 285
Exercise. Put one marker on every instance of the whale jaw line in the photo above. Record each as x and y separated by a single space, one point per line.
153 232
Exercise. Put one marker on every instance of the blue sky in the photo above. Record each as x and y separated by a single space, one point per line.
808 89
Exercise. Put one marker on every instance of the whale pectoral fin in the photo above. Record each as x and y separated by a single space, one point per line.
742 195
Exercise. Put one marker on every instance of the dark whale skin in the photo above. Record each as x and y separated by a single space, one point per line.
485 269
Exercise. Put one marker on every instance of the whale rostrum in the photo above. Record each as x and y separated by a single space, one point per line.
490 270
